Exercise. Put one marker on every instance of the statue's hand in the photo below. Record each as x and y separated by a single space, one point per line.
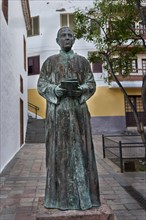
78 92
75 93
59 91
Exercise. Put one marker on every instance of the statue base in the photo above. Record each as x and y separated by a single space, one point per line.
104 212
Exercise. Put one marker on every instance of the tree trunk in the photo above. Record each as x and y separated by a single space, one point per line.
144 93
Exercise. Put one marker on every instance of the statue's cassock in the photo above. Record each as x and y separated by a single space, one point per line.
72 179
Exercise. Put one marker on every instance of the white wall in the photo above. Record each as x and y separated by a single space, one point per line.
12 65
45 44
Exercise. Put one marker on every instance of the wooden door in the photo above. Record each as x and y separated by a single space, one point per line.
21 123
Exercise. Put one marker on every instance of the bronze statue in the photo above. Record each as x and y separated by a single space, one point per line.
66 82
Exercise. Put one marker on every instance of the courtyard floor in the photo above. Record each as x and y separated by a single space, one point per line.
23 182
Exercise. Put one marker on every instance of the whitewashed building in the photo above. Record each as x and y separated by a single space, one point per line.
15 20
108 106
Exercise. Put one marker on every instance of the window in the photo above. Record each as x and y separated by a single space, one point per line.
24 52
134 66
142 28
137 102
35 30
67 20
96 64
33 65
97 67
21 84
5 9
144 66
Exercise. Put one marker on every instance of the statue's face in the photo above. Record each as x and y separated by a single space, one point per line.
65 39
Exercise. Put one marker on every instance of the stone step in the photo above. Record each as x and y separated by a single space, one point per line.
35 131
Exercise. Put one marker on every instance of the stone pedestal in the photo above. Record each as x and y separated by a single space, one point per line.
102 213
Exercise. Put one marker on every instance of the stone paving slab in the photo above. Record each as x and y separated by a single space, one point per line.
22 183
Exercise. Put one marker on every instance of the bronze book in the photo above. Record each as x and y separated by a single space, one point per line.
70 85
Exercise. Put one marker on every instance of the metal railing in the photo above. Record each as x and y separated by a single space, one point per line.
36 108
119 148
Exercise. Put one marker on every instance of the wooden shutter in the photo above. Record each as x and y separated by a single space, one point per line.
63 20
33 65
97 67
71 21
36 65
35 30
144 66
5 9
24 52
36 25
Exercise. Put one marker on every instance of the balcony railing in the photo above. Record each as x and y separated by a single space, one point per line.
138 72
140 31
136 75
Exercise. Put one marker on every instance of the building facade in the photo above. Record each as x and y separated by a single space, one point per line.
13 77
108 107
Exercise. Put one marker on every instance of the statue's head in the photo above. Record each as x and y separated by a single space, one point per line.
65 38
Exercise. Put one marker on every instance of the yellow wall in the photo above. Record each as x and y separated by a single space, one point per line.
105 102
109 101
35 99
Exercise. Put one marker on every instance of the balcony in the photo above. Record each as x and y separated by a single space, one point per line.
135 75
134 80
143 2
141 31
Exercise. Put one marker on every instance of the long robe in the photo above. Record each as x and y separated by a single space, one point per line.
72 179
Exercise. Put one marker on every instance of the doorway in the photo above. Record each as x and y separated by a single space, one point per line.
21 123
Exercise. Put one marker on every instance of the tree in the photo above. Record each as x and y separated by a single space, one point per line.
110 26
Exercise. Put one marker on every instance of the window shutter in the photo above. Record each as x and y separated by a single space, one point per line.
36 65
71 21
33 65
63 20
29 33
5 9
97 67
35 30
30 65
134 65
24 49
144 66
36 25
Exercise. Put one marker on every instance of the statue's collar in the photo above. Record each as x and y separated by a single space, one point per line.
68 54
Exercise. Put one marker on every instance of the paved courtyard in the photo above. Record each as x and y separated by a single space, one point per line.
23 183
